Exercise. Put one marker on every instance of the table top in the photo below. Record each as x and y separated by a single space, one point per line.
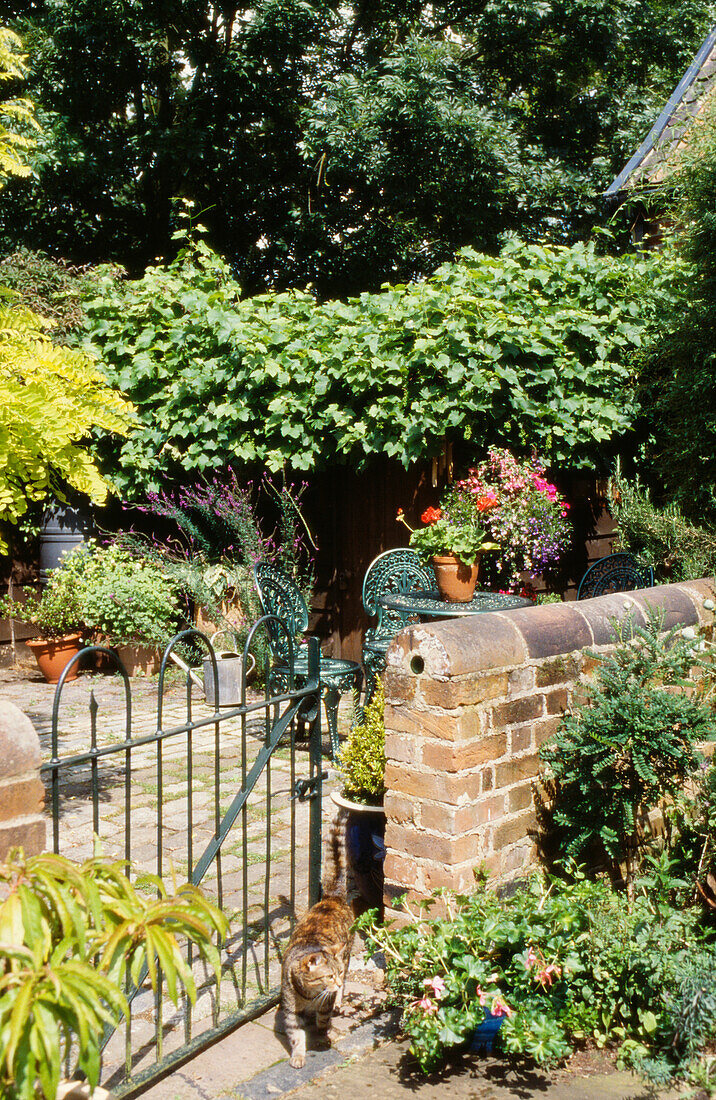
429 605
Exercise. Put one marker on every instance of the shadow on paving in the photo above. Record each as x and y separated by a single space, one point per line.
372 1063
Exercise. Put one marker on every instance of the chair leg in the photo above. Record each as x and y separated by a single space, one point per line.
331 697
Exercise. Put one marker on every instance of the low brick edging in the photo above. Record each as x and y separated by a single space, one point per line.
22 792
468 703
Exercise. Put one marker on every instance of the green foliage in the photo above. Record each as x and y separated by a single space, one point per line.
528 350
124 598
564 962
677 549
631 745
52 288
466 540
348 144
677 390
55 612
50 399
17 116
69 934
361 763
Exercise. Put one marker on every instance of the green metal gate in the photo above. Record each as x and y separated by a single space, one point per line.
217 796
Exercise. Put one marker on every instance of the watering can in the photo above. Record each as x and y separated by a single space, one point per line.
229 674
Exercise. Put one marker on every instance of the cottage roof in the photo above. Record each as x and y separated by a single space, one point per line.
658 154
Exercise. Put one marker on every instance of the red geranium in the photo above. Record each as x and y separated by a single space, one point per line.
487 502
431 516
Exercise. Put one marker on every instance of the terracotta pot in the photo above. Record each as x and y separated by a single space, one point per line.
139 660
53 654
456 581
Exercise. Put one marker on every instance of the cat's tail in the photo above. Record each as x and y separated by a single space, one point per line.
335 885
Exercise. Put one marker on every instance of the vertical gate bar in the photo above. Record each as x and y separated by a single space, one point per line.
267 876
245 843
93 708
292 804
55 765
159 1037
217 828
316 803
190 843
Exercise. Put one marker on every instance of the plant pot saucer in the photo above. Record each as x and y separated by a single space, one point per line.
355 807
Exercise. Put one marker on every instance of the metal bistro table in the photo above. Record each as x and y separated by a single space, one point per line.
428 605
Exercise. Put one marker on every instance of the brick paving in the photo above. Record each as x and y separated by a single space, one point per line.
164 838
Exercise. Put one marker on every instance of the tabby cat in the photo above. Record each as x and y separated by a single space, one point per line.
315 963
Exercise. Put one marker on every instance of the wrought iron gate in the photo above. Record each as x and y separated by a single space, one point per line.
218 796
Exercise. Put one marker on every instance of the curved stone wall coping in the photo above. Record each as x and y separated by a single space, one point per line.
501 639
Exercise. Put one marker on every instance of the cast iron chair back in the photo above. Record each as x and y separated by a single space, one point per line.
280 597
393 571
615 573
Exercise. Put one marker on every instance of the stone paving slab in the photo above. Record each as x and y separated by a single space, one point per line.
154 821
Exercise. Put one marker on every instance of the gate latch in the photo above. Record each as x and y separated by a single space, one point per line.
304 789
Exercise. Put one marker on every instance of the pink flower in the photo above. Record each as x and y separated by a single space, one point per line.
482 997
425 1005
531 958
437 985
545 975
500 1007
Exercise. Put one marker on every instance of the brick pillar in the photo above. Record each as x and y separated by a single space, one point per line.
22 793
469 702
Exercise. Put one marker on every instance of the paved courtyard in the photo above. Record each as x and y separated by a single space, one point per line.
163 801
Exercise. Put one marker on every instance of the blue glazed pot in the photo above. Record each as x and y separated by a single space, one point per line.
485 1035
365 847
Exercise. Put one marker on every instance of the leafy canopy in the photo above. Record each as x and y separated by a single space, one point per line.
17 117
530 349
342 144
51 398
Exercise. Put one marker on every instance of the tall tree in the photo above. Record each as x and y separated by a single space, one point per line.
336 144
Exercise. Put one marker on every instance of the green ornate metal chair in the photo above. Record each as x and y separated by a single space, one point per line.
614 573
393 571
280 597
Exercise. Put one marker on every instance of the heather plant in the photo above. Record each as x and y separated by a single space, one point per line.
677 548
361 763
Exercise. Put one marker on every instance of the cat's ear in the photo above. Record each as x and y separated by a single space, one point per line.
338 949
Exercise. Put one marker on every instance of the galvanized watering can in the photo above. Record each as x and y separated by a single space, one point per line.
229 675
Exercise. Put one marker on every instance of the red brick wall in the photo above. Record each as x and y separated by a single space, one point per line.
468 704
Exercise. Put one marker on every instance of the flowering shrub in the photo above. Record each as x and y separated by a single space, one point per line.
522 511
501 505
560 961
449 530
122 598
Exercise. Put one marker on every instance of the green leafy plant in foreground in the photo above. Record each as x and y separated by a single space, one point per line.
69 934
631 745
562 962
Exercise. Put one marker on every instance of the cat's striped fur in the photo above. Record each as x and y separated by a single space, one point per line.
315 963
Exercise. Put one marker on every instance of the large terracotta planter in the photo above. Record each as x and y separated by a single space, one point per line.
456 581
53 654
139 660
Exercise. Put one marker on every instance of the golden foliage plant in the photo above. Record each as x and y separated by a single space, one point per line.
50 400
70 934
17 116
361 763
